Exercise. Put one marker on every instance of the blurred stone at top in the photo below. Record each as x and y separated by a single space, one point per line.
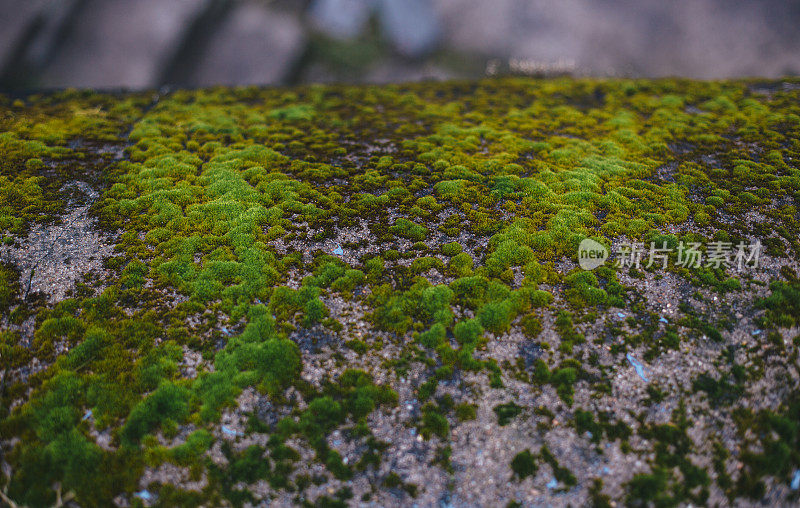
27 43
707 39
27 15
254 45
120 43
411 26
344 19
149 43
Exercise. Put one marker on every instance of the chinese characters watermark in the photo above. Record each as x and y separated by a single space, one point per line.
715 254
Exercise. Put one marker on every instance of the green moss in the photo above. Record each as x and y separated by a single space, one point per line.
649 488
583 289
672 449
461 265
433 422
451 249
293 113
24 200
168 402
783 304
468 332
598 499
524 464
569 336
585 422
406 229
564 379
496 316
531 326
9 287
561 473
190 452
506 412
422 265
466 411
718 391
434 337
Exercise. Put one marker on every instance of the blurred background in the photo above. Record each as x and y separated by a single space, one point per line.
136 44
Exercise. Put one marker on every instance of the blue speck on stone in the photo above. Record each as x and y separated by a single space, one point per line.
606 470
621 315
663 319
552 484
338 250
229 431
637 365
756 332
144 494
796 480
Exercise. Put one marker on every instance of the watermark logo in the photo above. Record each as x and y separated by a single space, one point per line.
591 254
716 254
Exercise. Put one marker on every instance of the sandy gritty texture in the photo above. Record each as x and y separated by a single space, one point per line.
53 257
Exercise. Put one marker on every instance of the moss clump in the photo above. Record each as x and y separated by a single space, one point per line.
451 249
531 326
404 228
524 464
562 378
672 447
585 422
569 336
9 287
23 201
506 412
719 390
433 422
496 316
168 402
468 332
561 473
466 411
583 289
773 452
783 305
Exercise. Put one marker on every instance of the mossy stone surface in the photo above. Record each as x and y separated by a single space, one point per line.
372 292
